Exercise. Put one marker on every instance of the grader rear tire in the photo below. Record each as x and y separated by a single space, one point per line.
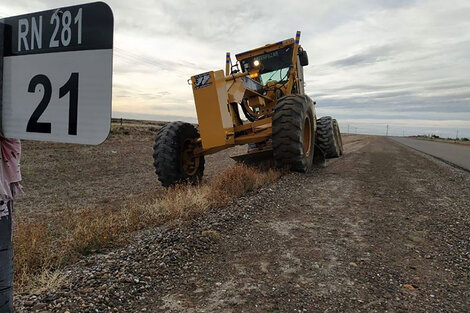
173 156
294 132
338 137
329 137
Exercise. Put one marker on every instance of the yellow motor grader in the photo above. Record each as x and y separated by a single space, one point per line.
267 85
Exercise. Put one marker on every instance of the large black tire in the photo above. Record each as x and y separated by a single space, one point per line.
327 137
339 139
294 132
172 150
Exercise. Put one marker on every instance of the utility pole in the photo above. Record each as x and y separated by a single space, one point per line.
387 131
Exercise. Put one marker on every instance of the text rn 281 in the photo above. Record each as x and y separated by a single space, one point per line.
30 32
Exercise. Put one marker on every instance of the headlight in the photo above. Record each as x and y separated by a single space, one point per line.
256 63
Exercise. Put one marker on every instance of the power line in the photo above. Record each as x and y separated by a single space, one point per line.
136 58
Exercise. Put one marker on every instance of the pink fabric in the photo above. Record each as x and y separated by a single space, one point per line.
10 174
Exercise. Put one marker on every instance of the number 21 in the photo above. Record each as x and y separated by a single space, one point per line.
71 86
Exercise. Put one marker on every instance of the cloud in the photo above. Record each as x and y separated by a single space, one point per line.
370 56
390 61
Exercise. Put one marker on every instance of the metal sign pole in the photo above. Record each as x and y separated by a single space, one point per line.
6 242
2 48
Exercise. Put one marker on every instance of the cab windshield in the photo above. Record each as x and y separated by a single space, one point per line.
273 66
276 76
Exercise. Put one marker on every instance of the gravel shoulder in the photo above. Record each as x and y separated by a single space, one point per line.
382 229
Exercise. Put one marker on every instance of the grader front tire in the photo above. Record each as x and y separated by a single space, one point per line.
173 155
294 132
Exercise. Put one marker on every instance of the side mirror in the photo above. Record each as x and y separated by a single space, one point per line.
303 57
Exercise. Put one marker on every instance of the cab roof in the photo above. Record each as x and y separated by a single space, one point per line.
265 49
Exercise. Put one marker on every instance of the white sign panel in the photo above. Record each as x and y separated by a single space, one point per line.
57 76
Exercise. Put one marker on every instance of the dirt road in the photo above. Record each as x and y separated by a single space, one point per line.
453 153
383 229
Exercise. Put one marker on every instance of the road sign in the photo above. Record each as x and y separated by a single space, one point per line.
57 74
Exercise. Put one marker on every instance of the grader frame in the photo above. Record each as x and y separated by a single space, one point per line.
281 119
224 129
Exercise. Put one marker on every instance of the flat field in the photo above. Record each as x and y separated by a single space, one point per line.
384 228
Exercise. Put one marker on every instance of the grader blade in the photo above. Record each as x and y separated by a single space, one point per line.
254 156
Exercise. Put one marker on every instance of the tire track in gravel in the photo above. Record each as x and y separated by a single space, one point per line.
364 234
382 229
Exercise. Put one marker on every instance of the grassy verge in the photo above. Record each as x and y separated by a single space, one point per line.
42 248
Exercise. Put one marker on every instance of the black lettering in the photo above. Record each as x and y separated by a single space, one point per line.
33 125
71 86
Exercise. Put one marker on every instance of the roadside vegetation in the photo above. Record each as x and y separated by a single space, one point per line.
432 137
42 247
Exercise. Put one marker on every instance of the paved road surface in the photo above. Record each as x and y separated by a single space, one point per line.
453 153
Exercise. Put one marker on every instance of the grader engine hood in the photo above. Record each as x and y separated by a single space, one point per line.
211 99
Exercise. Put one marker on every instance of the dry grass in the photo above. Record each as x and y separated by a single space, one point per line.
41 249
47 280
185 201
445 140
238 180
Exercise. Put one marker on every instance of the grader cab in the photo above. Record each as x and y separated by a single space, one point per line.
267 85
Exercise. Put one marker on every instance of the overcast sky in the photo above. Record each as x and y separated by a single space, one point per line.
372 63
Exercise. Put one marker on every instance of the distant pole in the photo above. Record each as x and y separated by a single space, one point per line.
457 137
387 131
121 121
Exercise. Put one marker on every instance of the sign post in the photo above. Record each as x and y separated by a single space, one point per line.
6 240
55 85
